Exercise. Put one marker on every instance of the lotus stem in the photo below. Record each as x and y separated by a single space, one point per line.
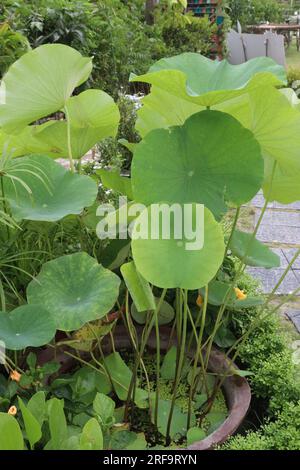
180 363
72 167
197 356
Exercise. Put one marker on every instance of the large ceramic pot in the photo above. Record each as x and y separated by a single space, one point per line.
235 388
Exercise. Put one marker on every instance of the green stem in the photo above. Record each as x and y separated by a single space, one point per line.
72 167
236 218
145 337
5 208
157 367
197 355
239 271
180 363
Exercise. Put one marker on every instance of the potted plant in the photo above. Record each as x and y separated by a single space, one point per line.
143 326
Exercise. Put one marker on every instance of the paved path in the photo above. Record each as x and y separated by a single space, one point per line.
280 229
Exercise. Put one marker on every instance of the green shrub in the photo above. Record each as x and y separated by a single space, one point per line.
255 11
268 355
184 33
12 46
293 77
282 434
112 153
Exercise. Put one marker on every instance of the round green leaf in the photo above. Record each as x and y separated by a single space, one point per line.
168 264
93 116
11 437
40 83
75 289
182 84
207 160
275 123
28 325
165 314
94 109
54 191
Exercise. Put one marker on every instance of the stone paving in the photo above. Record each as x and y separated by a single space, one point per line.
280 229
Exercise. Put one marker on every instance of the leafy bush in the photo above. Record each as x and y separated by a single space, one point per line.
112 31
184 33
293 77
282 434
12 45
112 153
255 11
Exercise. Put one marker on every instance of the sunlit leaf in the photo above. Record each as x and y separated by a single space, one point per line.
182 83
40 83
167 263
206 160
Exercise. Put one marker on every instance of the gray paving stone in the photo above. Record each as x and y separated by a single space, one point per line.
279 234
270 277
290 253
294 205
279 218
283 259
297 274
258 200
294 316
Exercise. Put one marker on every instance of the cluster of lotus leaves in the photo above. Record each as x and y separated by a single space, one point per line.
211 134
251 92
69 292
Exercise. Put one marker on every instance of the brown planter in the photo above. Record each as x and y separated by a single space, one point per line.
236 389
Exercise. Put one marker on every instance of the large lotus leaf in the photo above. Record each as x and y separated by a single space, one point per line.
252 252
93 116
210 159
28 325
55 191
51 139
275 123
17 145
181 83
40 83
168 263
75 289
94 108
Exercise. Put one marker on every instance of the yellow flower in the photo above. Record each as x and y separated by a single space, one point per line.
240 294
199 301
12 411
14 375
